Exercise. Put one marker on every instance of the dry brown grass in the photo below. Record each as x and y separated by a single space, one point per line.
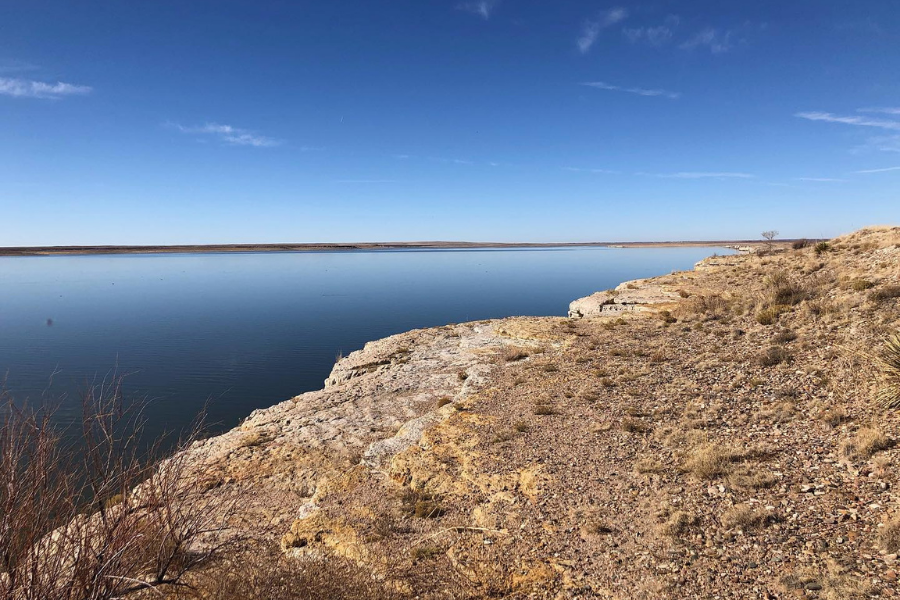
774 355
514 354
744 517
649 465
833 416
269 575
769 315
888 292
711 460
678 523
784 290
784 337
865 443
861 285
889 537
632 425
751 477
712 306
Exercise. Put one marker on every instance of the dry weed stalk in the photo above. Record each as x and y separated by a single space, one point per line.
100 516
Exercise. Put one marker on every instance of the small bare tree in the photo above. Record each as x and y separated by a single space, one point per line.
769 237
99 516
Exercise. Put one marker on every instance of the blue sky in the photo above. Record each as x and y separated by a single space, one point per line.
508 120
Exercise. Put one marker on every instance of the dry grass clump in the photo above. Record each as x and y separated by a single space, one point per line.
751 478
667 317
865 443
744 517
822 247
889 537
785 336
769 315
513 354
422 505
889 365
887 292
678 523
712 306
820 307
649 465
711 460
861 285
425 552
833 416
632 425
775 355
544 410
268 574
599 527
428 509
783 290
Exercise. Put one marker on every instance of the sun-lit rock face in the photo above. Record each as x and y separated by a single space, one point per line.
623 299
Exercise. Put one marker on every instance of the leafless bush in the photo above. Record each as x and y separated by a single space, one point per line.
95 516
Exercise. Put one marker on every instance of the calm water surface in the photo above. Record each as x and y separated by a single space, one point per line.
249 330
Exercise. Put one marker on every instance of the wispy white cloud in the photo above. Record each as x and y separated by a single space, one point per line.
821 179
600 85
879 170
717 41
227 134
849 120
482 8
655 36
881 143
27 88
597 171
16 66
887 110
701 175
454 161
591 29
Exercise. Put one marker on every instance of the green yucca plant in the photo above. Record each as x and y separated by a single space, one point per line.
889 361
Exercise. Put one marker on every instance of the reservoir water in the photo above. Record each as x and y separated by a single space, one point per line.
245 331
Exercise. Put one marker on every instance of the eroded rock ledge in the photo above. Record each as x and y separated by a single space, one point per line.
376 403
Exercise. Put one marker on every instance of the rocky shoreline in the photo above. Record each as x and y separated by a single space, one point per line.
708 433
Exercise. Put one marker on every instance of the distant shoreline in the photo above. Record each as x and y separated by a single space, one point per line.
217 248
